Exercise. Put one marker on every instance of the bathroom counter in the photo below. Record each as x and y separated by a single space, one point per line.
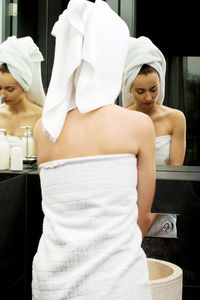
8 174
163 172
191 173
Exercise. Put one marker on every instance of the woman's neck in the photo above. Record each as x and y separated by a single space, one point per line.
150 111
22 106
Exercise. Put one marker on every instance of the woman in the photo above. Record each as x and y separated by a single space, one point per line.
143 91
144 86
96 163
21 89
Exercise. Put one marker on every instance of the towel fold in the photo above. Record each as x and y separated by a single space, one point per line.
23 60
91 47
142 51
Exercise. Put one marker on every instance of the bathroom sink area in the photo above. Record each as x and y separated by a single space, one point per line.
165 280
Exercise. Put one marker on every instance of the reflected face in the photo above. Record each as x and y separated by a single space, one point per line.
11 92
145 89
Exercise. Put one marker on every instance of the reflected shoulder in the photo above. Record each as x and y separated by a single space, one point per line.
3 108
174 113
37 108
178 114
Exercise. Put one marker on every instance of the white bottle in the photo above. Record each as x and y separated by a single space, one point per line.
16 159
4 151
27 142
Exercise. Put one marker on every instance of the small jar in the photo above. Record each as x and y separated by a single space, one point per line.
16 159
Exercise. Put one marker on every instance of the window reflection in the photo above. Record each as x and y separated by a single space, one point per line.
192 112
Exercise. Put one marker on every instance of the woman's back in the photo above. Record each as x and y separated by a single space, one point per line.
108 130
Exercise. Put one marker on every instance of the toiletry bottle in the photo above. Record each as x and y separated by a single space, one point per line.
16 159
4 151
27 142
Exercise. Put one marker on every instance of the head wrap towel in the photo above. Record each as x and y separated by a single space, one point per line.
142 51
91 47
23 60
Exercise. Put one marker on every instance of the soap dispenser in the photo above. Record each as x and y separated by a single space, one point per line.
27 142
4 151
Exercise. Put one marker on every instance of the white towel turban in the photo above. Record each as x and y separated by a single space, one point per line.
142 51
23 60
91 48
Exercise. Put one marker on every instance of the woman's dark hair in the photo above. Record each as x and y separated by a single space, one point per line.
146 69
4 68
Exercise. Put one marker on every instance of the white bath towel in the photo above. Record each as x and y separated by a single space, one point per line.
91 47
162 155
90 248
142 51
23 59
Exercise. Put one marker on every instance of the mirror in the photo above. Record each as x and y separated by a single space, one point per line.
183 60
177 41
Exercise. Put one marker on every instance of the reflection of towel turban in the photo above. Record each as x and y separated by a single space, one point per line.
23 59
142 51
91 48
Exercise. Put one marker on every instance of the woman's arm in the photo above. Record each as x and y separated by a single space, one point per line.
178 141
146 176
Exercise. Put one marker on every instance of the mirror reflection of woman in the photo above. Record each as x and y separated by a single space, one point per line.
143 91
21 89
16 110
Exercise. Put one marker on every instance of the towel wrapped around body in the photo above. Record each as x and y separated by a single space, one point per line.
90 248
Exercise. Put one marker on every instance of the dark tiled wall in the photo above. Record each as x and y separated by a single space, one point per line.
12 237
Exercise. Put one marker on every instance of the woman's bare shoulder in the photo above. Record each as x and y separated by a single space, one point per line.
35 109
172 114
126 113
3 109
140 126
173 111
178 113
124 130
130 120
177 118
136 117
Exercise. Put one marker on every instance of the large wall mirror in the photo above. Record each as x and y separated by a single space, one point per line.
171 27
